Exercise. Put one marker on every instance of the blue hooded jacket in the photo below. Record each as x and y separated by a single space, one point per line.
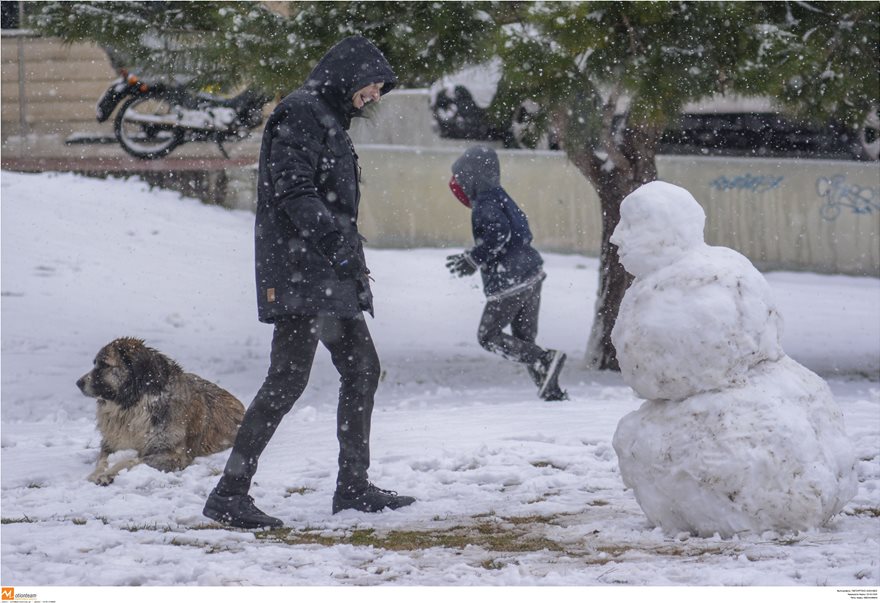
503 241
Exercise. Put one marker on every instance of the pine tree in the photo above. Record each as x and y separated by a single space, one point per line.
611 76
233 44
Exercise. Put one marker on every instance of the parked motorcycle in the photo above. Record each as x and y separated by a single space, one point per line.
155 118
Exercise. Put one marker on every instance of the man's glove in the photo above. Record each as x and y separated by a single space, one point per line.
344 260
365 296
461 264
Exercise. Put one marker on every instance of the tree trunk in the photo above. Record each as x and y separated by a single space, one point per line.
633 165
613 279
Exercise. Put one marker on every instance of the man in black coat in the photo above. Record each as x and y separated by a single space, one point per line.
312 279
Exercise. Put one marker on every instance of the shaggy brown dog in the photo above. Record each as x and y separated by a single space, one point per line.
148 404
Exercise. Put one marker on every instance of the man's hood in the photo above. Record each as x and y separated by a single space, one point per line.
350 65
477 171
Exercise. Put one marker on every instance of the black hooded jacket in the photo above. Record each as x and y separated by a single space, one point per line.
308 188
503 240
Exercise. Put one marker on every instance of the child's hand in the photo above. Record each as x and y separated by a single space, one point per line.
461 264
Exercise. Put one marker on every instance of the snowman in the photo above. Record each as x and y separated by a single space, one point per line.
734 436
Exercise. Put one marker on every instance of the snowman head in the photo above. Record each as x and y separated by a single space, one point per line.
659 223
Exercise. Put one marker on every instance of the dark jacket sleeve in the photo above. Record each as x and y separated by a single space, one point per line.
492 232
296 149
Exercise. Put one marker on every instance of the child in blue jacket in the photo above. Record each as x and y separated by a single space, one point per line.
510 267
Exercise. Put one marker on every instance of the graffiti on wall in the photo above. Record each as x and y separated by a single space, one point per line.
839 194
746 182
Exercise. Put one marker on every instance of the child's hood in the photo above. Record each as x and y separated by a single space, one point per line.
477 171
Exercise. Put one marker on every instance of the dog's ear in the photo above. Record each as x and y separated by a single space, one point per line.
148 371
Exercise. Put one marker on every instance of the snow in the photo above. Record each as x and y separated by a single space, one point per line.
520 491
735 437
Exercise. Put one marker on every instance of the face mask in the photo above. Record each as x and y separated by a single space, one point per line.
456 189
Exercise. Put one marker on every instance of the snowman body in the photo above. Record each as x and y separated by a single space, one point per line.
734 436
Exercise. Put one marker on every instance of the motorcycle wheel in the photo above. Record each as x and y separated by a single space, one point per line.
145 126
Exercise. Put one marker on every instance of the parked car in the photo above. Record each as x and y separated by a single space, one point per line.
764 134
462 105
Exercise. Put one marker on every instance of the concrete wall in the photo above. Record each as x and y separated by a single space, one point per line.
821 216
793 214
403 117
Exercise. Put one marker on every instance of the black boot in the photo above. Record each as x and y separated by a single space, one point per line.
238 511
546 370
555 394
369 500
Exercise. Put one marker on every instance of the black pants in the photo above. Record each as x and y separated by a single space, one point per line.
520 311
294 344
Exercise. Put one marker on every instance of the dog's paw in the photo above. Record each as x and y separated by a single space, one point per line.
101 479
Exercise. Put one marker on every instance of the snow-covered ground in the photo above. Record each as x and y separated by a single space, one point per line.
511 490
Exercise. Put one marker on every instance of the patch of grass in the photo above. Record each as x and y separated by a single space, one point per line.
146 528
488 535
492 564
531 519
866 511
23 519
302 490
363 537
542 464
